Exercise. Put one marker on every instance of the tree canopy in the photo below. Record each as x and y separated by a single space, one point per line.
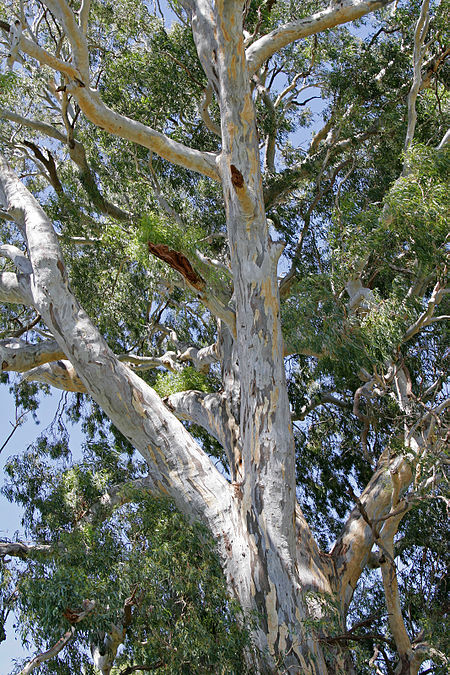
226 237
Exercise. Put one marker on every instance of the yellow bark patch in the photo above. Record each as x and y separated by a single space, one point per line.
306 670
256 456
271 303
151 453
162 488
282 642
247 110
137 400
274 396
226 34
233 67
256 452
157 455
268 295
232 131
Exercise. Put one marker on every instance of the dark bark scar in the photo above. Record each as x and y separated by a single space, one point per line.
53 318
179 262
236 177
60 266
237 487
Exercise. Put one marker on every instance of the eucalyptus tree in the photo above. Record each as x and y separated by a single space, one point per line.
259 314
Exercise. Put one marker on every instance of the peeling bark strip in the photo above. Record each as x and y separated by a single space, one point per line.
178 262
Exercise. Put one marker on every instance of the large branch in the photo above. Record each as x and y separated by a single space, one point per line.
379 500
20 356
36 52
98 113
76 617
392 594
119 125
334 15
36 125
419 39
209 412
77 155
437 295
17 549
352 549
176 463
60 374
76 36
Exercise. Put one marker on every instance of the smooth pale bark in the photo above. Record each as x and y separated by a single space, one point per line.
136 132
419 39
15 288
392 596
36 125
352 549
378 503
177 466
120 125
60 374
19 550
80 52
206 410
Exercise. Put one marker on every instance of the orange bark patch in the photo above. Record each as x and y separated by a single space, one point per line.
178 262
247 114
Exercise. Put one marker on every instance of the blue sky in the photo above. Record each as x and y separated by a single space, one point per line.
10 514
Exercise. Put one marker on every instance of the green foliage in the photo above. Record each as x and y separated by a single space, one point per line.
156 229
8 81
345 342
182 618
420 204
188 378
